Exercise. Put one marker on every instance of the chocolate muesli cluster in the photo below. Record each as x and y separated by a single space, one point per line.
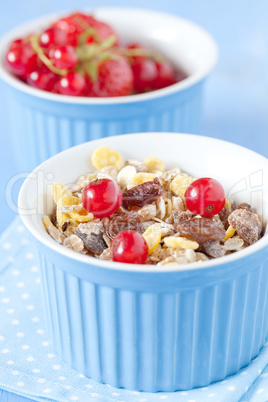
153 203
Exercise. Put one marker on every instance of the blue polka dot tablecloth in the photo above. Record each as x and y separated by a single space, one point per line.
29 367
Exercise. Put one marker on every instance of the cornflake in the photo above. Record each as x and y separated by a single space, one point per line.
152 204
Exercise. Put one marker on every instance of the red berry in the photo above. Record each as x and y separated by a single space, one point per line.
19 57
53 36
205 197
40 79
165 75
115 78
72 84
102 197
70 27
102 29
130 247
135 45
63 57
145 73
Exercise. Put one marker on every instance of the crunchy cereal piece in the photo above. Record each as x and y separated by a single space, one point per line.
229 233
177 204
107 239
74 242
140 178
55 233
69 227
168 176
160 208
246 224
107 172
180 183
223 215
152 237
154 164
106 255
181 216
147 213
83 181
145 193
140 167
66 199
58 189
106 156
125 221
190 255
214 249
180 242
81 215
91 233
125 175
200 230
168 205
171 261
201 257
167 229
234 244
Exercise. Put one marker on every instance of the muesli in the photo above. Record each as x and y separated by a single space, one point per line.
137 212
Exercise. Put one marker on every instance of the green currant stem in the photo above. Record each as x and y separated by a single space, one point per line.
140 52
40 53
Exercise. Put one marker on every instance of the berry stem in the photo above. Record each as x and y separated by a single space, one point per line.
40 53
140 52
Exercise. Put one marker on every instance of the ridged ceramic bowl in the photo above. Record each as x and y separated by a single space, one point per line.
145 327
44 124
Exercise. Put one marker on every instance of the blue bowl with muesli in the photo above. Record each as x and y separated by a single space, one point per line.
182 320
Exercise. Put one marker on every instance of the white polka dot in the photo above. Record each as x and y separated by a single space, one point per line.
29 256
47 390
15 322
41 380
36 370
81 376
38 281
259 371
2 338
35 319
34 268
10 362
204 389
20 228
45 343
30 307
163 397
135 392
10 310
50 355
244 373
6 300
25 347
2 288
115 394
25 296
20 285
90 386
94 394
30 359
143 400
260 391
5 351
74 398
20 334
40 331
183 393
6 246
20 384
211 395
11 259
56 367
231 388
191 400
15 272
67 386
15 372
264 375
246 389
62 378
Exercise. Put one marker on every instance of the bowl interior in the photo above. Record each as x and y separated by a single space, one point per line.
243 173
187 45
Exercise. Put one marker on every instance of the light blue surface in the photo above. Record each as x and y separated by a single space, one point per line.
236 95
29 367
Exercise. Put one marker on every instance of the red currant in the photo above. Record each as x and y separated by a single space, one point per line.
19 57
53 36
63 57
145 73
165 75
102 197
130 247
205 197
44 80
72 84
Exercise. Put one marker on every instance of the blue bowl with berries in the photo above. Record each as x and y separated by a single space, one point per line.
153 257
79 77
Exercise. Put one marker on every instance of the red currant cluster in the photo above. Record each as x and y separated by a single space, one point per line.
205 197
79 55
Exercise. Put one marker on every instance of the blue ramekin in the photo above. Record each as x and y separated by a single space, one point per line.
44 124
155 328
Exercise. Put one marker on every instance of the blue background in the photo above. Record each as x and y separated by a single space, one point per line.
236 99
